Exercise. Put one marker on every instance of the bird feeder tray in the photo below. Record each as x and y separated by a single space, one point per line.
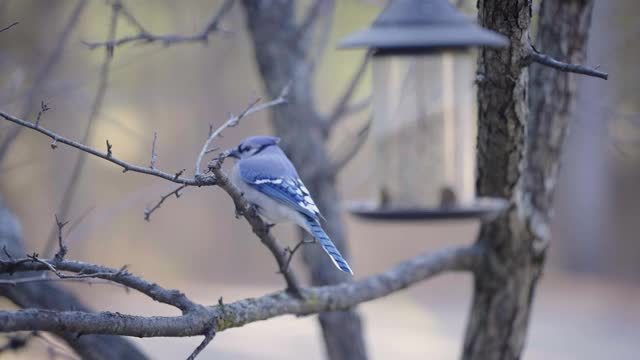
483 208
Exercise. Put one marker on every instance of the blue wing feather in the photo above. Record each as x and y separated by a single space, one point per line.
272 174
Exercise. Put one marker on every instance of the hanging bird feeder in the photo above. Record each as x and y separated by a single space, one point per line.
424 111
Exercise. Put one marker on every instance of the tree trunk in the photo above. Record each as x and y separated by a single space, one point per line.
281 51
47 295
522 127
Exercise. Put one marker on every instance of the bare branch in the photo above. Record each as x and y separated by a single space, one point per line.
253 107
342 106
86 270
547 60
207 339
154 154
167 40
9 26
176 192
201 181
126 14
82 275
35 279
203 320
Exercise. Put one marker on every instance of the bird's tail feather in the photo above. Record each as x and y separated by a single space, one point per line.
328 246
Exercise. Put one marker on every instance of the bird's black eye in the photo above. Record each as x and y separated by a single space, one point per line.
242 149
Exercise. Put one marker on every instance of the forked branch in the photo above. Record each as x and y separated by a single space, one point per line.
145 36
540 58
84 270
205 320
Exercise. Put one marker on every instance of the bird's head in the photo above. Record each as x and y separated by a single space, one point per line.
252 146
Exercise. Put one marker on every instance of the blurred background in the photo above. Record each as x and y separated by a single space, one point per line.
587 306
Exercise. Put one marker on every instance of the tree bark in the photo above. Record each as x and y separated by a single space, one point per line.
522 126
47 295
281 52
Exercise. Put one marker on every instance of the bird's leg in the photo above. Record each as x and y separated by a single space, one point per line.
239 209
250 208
290 252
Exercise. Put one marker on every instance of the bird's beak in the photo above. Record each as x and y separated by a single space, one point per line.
232 153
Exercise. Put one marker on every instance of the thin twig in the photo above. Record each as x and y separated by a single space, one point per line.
292 252
176 192
6 252
154 154
207 339
253 107
167 40
126 14
42 75
202 181
342 106
547 60
44 107
323 37
9 27
212 150
68 196
233 121
104 275
62 249
310 19
32 279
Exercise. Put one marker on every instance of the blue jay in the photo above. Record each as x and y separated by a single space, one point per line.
269 181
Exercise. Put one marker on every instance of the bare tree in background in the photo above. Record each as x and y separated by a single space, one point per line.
523 117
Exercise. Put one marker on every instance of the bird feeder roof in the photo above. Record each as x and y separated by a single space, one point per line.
417 26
